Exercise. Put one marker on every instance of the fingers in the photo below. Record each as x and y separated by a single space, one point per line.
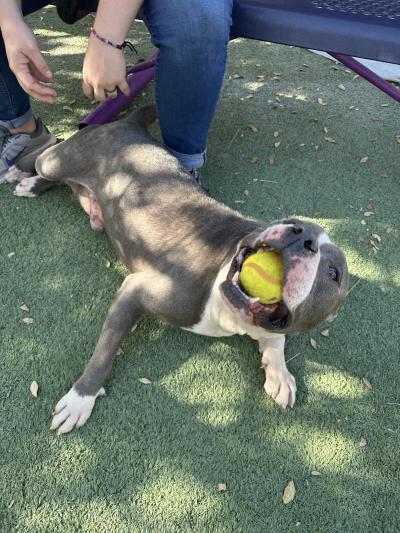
124 87
39 64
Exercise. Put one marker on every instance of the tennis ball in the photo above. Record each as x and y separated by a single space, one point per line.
261 276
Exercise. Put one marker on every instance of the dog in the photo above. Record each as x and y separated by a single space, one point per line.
184 252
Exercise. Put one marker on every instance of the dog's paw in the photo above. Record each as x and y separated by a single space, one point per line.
73 410
15 174
27 187
280 385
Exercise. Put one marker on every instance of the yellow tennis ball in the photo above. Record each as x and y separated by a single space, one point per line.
261 276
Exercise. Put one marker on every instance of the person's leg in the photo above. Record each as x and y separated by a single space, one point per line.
192 37
22 137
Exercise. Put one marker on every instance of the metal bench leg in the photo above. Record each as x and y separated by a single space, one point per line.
138 77
366 73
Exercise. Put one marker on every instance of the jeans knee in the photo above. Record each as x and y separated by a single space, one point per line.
202 29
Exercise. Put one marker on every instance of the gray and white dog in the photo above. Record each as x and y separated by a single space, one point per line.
184 251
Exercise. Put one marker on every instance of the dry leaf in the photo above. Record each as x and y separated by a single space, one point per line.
330 140
236 76
260 78
367 383
321 102
277 144
34 388
342 87
68 108
254 159
246 192
271 159
276 133
364 159
326 131
376 237
120 351
315 473
145 381
252 127
221 487
363 222
363 442
289 492
313 343
10 254
12 502
27 320
107 262
24 307
369 213
325 333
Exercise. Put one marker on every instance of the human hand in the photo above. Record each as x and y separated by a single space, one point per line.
27 63
104 71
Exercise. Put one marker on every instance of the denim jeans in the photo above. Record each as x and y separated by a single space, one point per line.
192 37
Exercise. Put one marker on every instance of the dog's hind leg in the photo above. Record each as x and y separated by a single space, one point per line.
74 409
33 186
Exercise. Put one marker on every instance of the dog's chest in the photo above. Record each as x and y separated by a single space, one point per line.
218 320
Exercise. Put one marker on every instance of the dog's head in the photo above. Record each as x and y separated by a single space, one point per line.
315 278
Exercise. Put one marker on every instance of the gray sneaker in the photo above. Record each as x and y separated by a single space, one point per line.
22 149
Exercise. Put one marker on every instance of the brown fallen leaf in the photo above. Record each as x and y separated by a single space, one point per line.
321 102
120 351
367 383
260 78
330 140
325 333
254 159
369 213
289 492
271 159
34 388
313 343
276 134
107 262
342 87
24 307
363 442
252 127
315 473
12 502
376 237
145 381
364 159
27 320
277 144
221 487
68 108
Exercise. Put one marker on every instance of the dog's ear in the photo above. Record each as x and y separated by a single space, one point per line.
144 116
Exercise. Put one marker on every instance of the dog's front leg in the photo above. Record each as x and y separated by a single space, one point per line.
279 382
76 406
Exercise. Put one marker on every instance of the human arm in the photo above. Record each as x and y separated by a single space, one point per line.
104 66
23 54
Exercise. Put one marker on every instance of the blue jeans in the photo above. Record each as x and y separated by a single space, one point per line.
192 37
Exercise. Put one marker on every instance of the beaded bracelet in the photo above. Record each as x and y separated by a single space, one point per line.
125 44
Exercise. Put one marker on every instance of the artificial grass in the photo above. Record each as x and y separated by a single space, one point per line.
151 456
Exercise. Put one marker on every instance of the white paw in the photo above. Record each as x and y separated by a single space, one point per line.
26 186
15 174
280 385
73 411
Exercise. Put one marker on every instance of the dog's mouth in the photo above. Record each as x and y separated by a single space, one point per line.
275 316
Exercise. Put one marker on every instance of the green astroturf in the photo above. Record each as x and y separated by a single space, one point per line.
151 457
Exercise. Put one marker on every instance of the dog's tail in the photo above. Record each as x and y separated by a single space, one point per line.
144 116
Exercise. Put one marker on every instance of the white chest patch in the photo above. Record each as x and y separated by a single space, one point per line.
219 321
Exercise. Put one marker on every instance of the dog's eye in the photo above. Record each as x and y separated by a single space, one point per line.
333 274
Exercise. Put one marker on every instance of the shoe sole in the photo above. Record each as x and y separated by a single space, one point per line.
27 162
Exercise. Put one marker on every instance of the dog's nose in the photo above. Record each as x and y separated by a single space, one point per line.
312 245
